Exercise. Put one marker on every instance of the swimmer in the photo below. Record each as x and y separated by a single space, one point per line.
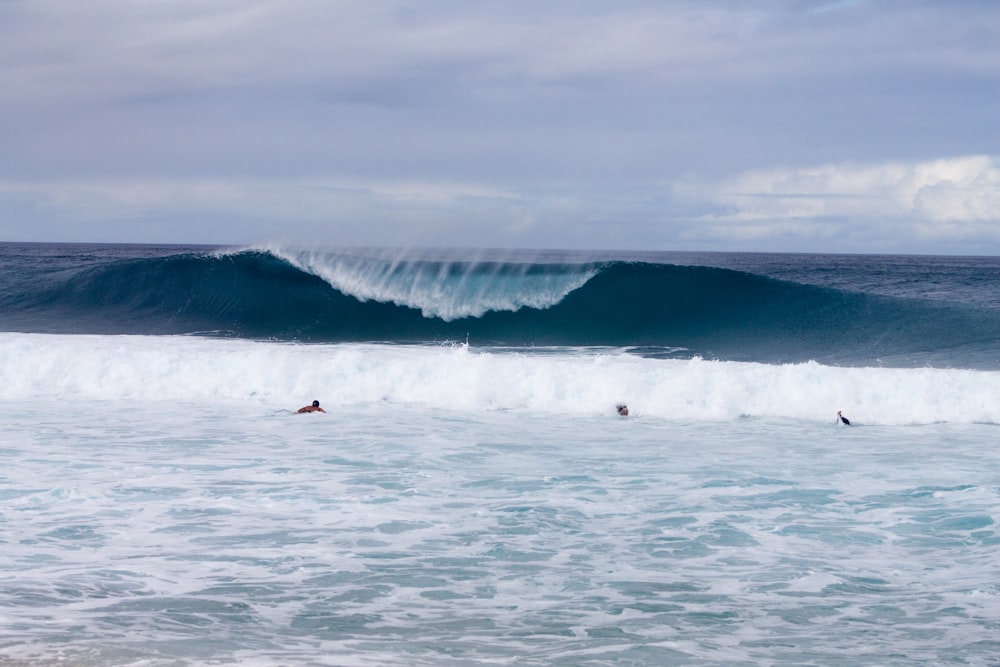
312 408
842 418
622 410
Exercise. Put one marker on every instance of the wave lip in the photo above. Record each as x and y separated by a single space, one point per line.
448 290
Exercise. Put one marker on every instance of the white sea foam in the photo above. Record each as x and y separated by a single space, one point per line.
575 381
197 532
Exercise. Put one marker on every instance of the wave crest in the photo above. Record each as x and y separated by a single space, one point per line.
449 290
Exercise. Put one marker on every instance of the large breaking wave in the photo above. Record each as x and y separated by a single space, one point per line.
655 309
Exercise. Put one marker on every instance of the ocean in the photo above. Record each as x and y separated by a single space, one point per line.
471 496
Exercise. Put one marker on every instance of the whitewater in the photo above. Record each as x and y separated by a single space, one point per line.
470 496
552 381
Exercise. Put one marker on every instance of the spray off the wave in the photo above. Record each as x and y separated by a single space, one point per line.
445 289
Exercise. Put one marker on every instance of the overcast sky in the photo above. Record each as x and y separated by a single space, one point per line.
848 126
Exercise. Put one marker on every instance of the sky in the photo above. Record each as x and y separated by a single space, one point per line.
773 125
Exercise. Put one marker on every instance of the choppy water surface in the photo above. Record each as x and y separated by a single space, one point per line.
160 533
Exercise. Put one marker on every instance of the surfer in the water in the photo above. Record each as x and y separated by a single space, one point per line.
312 408
622 410
843 419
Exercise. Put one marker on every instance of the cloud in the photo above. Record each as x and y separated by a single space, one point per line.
328 211
568 123
331 210
853 207
954 197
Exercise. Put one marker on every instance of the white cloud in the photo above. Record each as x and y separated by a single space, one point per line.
844 207
960 191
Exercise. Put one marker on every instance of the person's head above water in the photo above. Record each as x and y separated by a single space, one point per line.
316 405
